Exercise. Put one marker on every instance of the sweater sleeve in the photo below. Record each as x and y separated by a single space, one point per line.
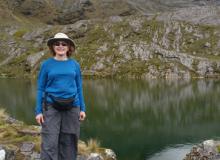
41 84
80 88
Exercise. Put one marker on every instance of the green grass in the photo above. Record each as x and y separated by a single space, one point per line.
19 33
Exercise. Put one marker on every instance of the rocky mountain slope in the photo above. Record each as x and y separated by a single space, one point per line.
114 38
67 11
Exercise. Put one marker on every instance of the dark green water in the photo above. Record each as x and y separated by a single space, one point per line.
152 120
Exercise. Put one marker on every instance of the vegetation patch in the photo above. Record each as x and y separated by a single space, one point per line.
19 33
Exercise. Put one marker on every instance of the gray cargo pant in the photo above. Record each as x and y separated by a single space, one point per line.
60 133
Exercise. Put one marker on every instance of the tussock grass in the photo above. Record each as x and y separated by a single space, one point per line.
2 113
10 133
218 148
82 147
91 146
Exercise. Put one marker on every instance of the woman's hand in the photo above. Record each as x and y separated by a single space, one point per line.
82 116
40 118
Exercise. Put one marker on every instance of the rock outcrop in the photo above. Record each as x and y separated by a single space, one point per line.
19 141
209 150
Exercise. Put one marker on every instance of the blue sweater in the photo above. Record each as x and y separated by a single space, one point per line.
60 79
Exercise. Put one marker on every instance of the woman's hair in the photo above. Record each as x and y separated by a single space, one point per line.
69 52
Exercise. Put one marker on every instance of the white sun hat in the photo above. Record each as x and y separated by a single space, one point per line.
60 37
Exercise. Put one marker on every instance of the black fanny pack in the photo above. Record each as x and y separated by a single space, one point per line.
62 104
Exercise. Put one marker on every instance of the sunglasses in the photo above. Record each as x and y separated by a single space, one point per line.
60 44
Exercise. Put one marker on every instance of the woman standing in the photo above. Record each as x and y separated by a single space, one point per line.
60 103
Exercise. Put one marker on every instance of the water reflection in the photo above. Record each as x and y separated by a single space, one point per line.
146 116
18 98
177 152
137 119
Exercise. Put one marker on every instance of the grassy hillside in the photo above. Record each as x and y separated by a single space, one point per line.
118 46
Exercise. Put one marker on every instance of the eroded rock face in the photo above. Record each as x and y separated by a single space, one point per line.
68 11
197 15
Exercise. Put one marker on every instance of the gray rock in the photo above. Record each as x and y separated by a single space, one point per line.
218 44
81 157
115 19
85 3
11 43
165 42
2 154
136 24
27 147
16 50
204 67
80 27
95 156
207 45
98 66
152 72
32 60
206 150
171 74
9 153
13 53
11 120
141 51
110 154
36 35
102 48
27 150
7 60
196 14
35 156
210 146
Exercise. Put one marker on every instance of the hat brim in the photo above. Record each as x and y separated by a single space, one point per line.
53 40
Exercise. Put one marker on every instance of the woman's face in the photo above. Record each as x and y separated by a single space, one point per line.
61 48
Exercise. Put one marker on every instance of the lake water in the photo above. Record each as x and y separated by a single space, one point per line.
138 119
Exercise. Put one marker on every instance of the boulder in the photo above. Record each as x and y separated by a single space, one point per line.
95 156
2 154
7 153
208 149
32 60
110 154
